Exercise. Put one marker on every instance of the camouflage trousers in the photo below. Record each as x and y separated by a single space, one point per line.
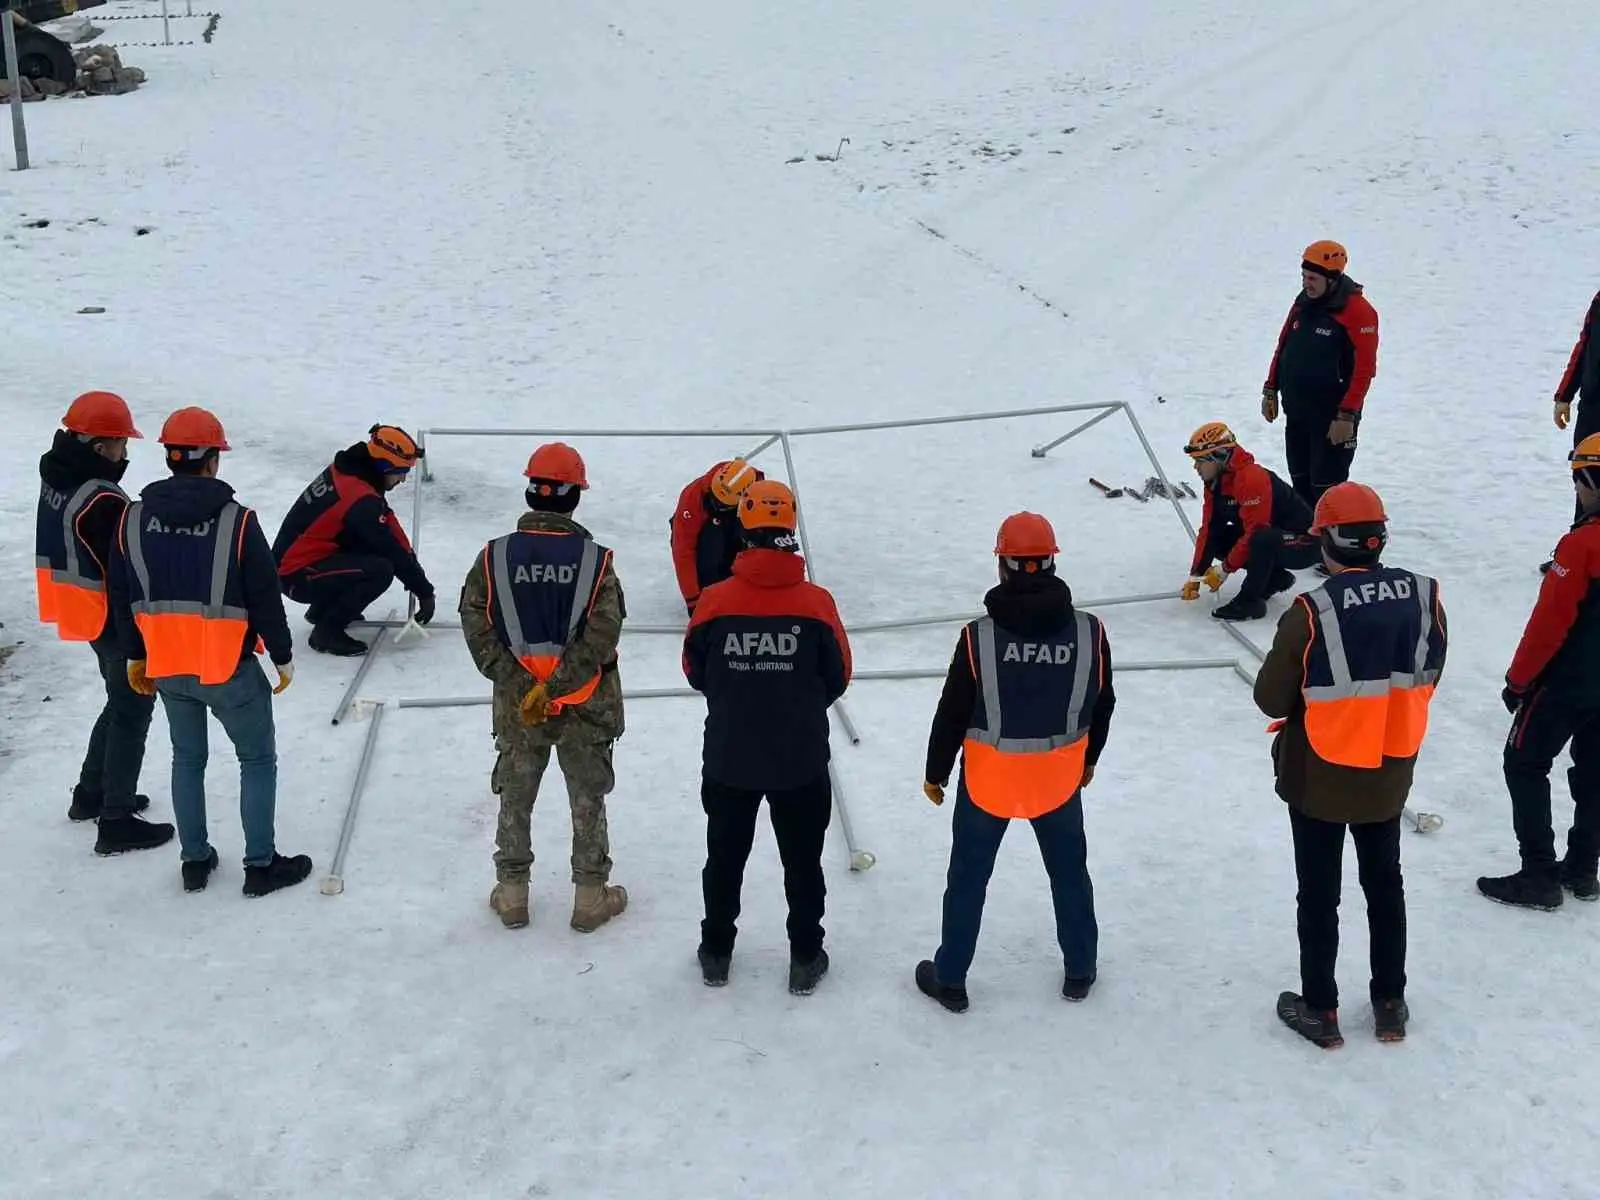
517 774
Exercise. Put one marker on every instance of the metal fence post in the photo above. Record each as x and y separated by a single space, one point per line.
19 129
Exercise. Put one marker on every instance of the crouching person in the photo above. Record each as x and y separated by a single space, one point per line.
542 611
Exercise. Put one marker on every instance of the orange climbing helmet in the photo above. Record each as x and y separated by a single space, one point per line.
729 481
767 504
100 415
1585 455
1211 440
392 448
556 466
1325 258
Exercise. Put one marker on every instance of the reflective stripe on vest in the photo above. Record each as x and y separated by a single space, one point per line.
1026 777
203 638
72 587
1358 722
542 658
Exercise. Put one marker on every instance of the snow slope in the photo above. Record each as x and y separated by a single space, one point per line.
592 220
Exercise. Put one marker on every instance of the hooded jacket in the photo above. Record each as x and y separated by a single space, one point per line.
1245 497
1327 353
1030 605
192 500
67 466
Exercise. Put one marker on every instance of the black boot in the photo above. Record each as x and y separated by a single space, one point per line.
1580 879
87 803
118 835
1389 1019
281 873
1320 1027
1525 889
1240 609
953 998
714 967
196 874
804 976
1077 989
336 642
1283 581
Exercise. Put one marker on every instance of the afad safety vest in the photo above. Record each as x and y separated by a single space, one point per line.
187 598
1025 753
71 580
1371 666
542 587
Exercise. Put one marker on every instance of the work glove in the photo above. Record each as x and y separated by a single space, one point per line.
535 706
1563 413
285 677
933 791
1088 776
1512 699
1214 576
138 680
1269 404
1343 430
425 605
1191 589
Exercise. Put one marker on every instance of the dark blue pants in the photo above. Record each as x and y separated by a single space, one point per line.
337 590
1547 723
115 756
975 841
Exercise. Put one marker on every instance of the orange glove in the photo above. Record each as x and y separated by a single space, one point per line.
535 706
285 678
1563 413
1215 574
933 792
138 680
1191 590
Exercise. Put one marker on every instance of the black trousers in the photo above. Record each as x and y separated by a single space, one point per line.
1315 463
800 821
1271 551
337 590
115 756
1545 724
1318 864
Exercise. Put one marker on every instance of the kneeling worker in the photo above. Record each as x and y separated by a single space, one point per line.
1253 522
341 545
1028 702
1349 679
542 611
705 528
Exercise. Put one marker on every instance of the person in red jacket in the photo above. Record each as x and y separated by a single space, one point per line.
1581 382
341 545
1326 358
1553 692
767 649
705 527
1253 522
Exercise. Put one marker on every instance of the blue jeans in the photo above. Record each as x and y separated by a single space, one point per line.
975 841
244 707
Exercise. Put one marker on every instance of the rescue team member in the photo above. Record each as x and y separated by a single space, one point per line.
341 545
1028 703
195 595
1349 679
1252 522
1581 381
80 507
769 652
542 610
705 528
1326 358
1553 691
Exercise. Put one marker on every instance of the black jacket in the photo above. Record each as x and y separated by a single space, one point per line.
191 500
1582 376
1025 604
68 466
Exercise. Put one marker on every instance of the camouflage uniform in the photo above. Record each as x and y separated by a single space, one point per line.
581 737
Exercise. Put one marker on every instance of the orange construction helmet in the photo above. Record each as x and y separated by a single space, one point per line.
100 415
1213 439
193 429
767 504
1025 535
558 464
1348 504
729 481
1325 258
392 448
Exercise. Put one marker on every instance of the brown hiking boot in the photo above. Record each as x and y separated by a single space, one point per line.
510 900
593 904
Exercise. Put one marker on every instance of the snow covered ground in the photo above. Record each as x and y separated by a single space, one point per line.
591 219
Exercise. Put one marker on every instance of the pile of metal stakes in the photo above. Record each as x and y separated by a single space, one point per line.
1152 487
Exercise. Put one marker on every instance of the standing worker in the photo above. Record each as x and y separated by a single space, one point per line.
1326 359
195 592
80 508
341 545
1581 382
1349 681
542 610
705 528
1252 522
1553 692
769 652
1028 703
